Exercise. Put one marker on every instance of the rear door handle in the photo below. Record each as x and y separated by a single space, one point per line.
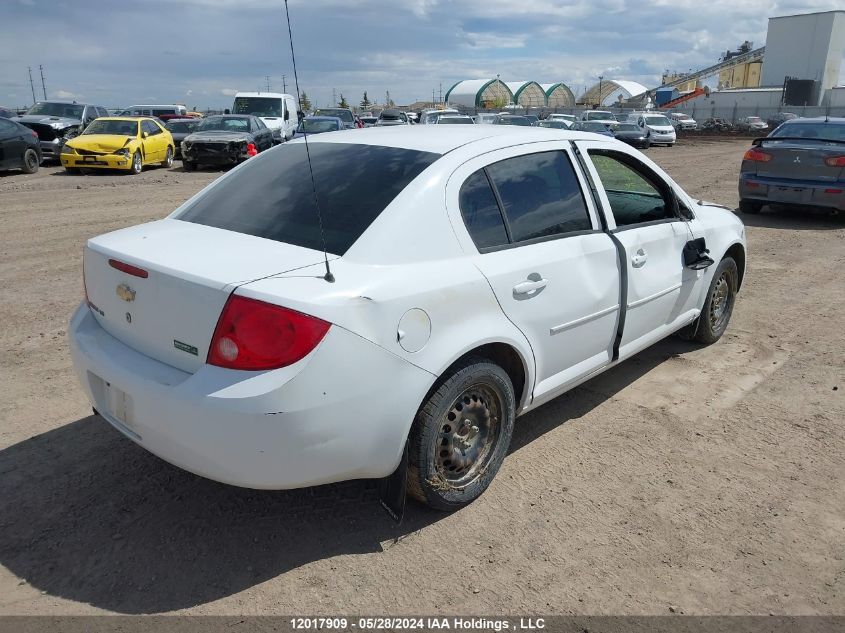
639 258
528 287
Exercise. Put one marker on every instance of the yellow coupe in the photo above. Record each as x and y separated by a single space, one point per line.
119 143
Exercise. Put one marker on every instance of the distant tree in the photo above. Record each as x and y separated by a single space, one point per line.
343 103
388 102
365 102
304 102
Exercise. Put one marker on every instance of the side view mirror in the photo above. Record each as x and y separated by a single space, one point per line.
144 134
287 115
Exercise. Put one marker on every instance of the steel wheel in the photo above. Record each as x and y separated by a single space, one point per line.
468 433
30 161
720 303
168 159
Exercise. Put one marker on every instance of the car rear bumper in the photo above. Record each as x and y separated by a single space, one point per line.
105 161
343 412
830 195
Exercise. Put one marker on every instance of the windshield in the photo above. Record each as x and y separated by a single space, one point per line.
111 126
514 120
318 126
626 127
258 106
271 196
657 121
599 116
755 119
225 124
452 120
812 129
560 125
340 113
67 110
593 126
181 126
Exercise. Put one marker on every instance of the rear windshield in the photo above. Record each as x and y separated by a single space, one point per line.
271 196
812 129
343 115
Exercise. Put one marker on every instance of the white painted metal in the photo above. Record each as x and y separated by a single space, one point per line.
413 277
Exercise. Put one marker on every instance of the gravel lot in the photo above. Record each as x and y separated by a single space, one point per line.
711 480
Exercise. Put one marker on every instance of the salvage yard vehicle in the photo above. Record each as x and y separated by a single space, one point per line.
752 123
801 164
56 122
594 127
344 114
258 340
632 134
162 111
319 125
682 121
512 119
276 110
19 147
126 143
179 129
225 139
558 124
659 128
554 116
603 116
455 119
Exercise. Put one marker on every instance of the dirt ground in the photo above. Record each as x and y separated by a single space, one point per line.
711 480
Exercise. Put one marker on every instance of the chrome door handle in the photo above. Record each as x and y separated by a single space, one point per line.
639 258
528 287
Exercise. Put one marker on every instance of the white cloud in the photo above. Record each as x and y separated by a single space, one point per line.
228 92
65 94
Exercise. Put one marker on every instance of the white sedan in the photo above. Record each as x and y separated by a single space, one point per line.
476 272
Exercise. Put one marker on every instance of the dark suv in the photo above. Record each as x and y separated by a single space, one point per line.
58 121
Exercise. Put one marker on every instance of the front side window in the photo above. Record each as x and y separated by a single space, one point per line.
150 128
633 194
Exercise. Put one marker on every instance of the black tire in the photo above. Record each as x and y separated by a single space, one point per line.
751 207
30 161
718 306
188 165
137 165
450 466
168 158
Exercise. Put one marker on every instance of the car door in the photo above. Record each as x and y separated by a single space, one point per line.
153 150
262 135
642 212
535 236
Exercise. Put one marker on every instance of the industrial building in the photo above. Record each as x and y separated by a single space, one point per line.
610 92
493 93
527 94
558 95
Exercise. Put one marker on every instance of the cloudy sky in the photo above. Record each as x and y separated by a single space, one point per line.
199 52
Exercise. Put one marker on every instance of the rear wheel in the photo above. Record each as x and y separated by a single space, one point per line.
461 435
30 161
168 158
718 307
750 206
188 165
137 165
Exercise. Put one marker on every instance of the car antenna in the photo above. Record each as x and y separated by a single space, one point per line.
328 276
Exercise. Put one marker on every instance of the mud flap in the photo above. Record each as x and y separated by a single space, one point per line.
392 489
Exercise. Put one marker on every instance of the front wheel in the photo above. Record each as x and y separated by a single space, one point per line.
137 165
718 307
168 158
30 161
461 435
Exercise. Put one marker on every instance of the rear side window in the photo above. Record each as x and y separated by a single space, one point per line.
481 212
541 195
271 196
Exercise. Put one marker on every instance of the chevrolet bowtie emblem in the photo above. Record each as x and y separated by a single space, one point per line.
125 292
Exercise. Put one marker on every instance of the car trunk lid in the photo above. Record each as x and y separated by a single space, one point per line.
191 269
799 160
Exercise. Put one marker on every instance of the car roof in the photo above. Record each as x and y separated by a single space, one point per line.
126 118
445 139
319 117
816 119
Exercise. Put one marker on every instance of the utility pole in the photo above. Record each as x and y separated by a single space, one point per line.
267 79
440 100
284 84
334 98
43 87
31 84
601 77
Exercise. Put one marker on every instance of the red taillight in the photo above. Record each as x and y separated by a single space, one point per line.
833 190
835 161
129 269
34 133
254 335
757 156
250 149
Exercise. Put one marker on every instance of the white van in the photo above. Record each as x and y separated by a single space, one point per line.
277 110
660 129
169 110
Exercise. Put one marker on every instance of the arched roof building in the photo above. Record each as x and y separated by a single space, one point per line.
558 95
479 93
527 94
611 90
